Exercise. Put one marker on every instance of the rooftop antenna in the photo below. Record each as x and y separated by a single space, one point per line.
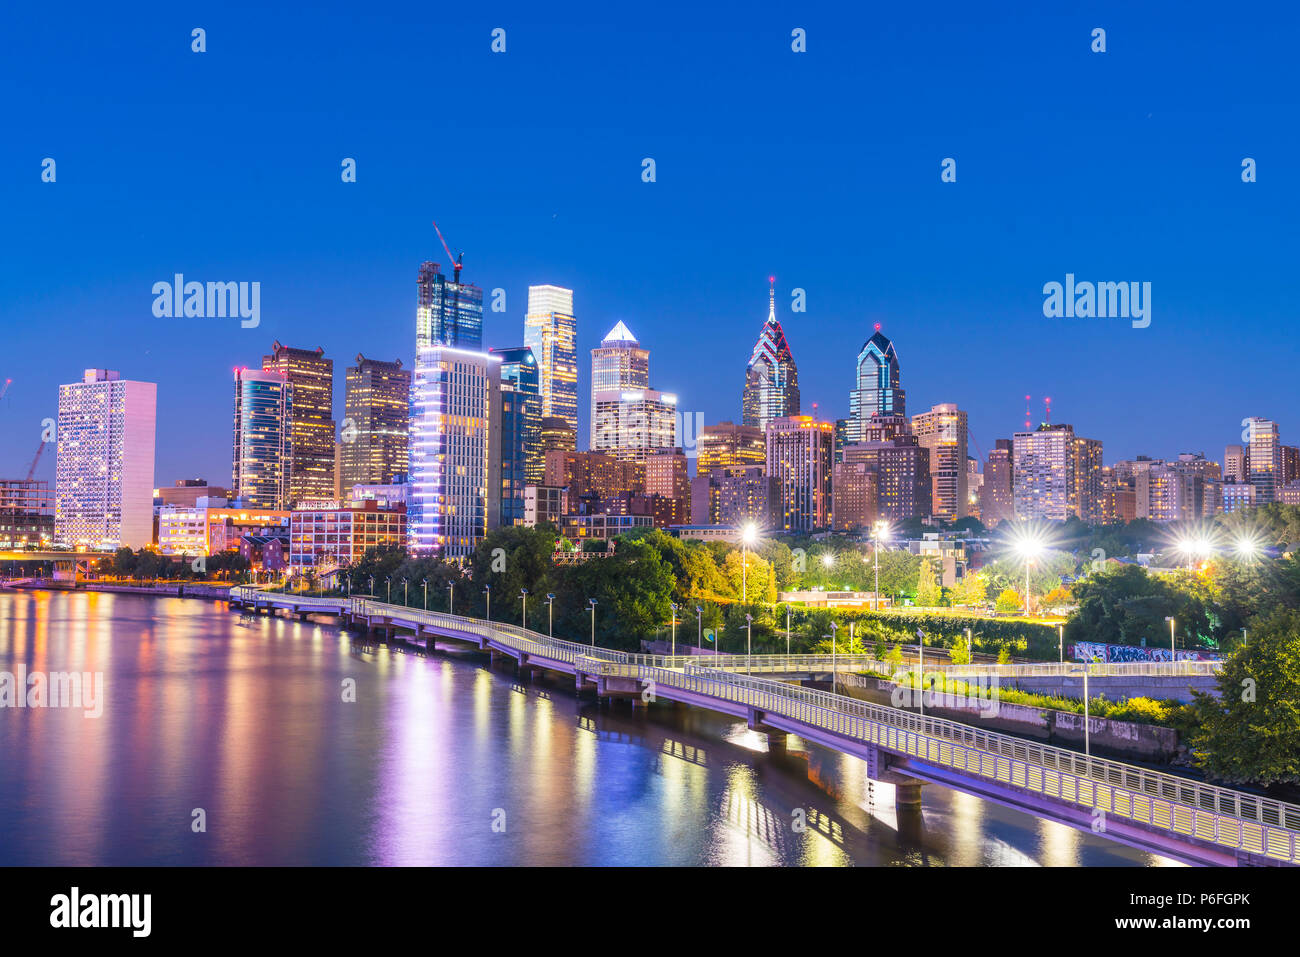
1028 414
455 260
1047 401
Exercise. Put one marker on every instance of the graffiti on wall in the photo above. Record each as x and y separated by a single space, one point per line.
1120 654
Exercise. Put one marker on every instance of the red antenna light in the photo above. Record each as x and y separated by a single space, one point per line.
1028 414
877 327
1048 402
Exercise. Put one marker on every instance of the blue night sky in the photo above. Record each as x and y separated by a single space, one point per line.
821 168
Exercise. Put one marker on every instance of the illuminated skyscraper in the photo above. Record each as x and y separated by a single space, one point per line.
996 503
632 423
618 363
454 494
448 312
103 495
727 444
551 331
771 378
1056 474
311 470
522 463
942 430
1264 459
800 456
877 390
376 418
263 442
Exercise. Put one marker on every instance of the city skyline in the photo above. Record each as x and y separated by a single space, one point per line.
844 203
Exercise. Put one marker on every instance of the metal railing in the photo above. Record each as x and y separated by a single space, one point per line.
1223 816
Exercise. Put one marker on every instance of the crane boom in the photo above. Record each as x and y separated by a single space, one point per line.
32 470
455 260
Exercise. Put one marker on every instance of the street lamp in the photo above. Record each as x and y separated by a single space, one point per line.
487 590
787 629
673 606
550 615
1172 654
748 535
1029 548
592 603
699 617
882 535
523 597
406 590
372 584
450 586
389 582
1247 547
749 640
426 594
1060 642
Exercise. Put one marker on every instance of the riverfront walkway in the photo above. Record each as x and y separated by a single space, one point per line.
1161 813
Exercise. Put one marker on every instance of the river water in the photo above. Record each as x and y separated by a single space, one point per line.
226 739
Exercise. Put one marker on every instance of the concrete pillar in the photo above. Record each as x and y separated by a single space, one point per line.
907 795
776 742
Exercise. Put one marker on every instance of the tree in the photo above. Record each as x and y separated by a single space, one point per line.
928 590
1008 602
895 656
959 653
1251 731
1004 655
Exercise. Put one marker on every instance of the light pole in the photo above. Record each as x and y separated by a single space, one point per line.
487 590
523 597
550 615
1087 740
1060 642
450 586
835 627
749 640
426 594
920 666
1029 548
372 584
787 630
673 606
389 583
882 535
592 603
970 647
699 618
1172 653
406 591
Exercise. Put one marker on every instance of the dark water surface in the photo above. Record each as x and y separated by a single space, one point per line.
245 718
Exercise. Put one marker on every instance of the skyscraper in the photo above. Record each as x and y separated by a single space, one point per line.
263 439
632 423
877 389
800 456
996 502
454 495
521 421
311 470
551 331
618 363
376 420
771 378
727 444
103 486
1264 459
943 431
448 312
1056 474
902 466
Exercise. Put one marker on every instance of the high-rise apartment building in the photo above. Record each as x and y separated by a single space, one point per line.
376 411
631 424
521 422
1056 474
263 440
771 378
454 494
727 444
311 469
974 483
551 331
103 487
735 495
800 455
448 312
555 435
943 430
592 474
1235 468
902 466
877 390
855 496
996 502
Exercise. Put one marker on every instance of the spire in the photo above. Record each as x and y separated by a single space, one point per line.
620 333
771 299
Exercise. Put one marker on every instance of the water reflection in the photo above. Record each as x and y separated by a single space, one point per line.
433 760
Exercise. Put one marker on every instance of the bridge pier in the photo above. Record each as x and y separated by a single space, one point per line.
776 739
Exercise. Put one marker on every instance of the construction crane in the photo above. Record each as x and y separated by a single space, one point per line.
5 390
455 260
32 470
